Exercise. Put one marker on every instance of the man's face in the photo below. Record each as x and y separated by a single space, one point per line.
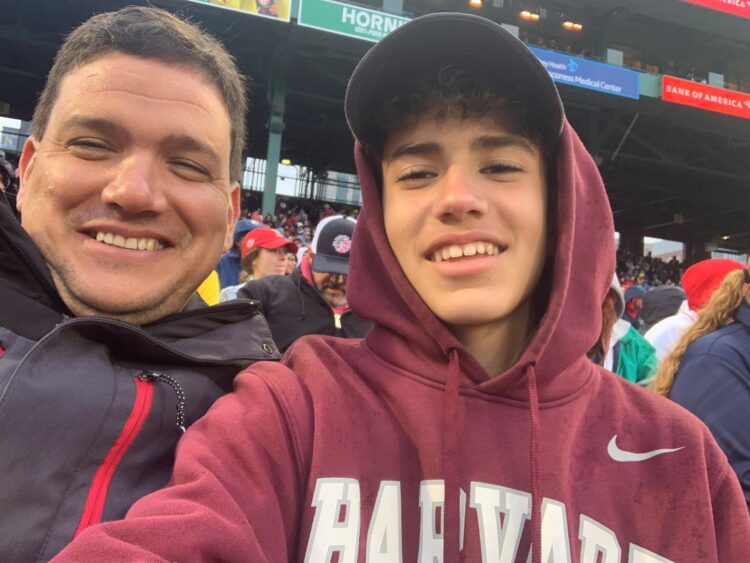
128 194
465 214
332 287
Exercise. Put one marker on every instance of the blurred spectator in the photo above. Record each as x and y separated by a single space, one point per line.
620 348
708 372
660 303
633 305
263 254
700 281
291 263
312 300
8 183
229 267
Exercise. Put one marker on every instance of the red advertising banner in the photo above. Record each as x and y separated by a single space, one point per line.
703 96
735 7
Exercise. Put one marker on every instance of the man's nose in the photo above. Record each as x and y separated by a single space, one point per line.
134 187
459 196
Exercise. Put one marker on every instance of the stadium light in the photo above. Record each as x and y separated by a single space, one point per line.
529 16
572 26
286 162
475 3
725 237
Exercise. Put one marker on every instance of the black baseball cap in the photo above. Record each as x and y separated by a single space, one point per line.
463 41
332 245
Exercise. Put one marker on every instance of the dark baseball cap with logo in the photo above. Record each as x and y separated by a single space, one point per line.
464 42
332 245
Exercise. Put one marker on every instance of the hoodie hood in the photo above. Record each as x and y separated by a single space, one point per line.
580 269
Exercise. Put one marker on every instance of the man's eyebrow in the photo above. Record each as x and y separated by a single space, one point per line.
501 141
94 123
414 149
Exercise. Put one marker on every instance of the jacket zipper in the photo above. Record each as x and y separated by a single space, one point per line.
92 510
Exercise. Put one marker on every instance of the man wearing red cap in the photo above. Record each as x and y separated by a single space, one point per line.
700 281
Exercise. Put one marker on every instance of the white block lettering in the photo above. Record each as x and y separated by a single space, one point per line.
595 540
500 543
336 524
384 535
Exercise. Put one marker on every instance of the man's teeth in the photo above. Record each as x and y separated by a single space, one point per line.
130 243
470 249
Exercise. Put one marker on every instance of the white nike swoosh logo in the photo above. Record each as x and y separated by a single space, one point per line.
621 455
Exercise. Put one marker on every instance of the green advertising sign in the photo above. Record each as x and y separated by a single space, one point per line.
346 19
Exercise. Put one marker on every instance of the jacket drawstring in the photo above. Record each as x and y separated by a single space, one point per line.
451 456
301 297
536 493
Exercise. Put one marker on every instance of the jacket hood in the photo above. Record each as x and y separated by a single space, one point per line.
580 271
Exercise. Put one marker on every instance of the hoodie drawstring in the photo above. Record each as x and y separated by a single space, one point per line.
536 494
451 432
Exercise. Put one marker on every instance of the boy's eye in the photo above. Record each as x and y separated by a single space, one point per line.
416 174
501 168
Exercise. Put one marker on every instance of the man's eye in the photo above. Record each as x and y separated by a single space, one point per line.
190 170
89 144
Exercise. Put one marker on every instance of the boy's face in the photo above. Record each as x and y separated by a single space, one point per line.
465 213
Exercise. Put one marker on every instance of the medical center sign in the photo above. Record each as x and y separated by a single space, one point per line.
346 19
703 96
591 75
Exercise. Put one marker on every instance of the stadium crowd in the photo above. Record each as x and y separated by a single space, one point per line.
470 374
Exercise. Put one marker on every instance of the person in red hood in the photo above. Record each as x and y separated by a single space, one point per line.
468 425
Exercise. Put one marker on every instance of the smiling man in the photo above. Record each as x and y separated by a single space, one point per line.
468 425
128 196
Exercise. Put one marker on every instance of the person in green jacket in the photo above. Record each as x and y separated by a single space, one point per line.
620 347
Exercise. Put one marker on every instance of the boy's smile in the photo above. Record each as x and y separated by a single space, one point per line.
465 213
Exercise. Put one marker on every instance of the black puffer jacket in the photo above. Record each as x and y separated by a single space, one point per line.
90 407
294 308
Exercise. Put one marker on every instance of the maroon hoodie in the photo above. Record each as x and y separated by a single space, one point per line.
346 450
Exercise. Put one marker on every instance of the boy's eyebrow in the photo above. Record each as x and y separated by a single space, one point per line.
501 141
414 149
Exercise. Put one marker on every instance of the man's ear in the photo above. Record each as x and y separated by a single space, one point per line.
233 213
25 166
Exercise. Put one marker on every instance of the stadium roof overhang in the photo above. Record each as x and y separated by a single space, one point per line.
673 171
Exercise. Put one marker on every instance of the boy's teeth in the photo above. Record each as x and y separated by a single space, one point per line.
130 243
470 249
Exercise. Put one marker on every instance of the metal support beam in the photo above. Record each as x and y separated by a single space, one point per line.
277 96
625 136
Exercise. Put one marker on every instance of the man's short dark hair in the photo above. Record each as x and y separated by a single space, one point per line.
151 33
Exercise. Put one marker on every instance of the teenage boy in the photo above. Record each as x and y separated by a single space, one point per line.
468 424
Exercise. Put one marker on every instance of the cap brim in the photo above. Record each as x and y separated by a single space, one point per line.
464 41
330 264
278 243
